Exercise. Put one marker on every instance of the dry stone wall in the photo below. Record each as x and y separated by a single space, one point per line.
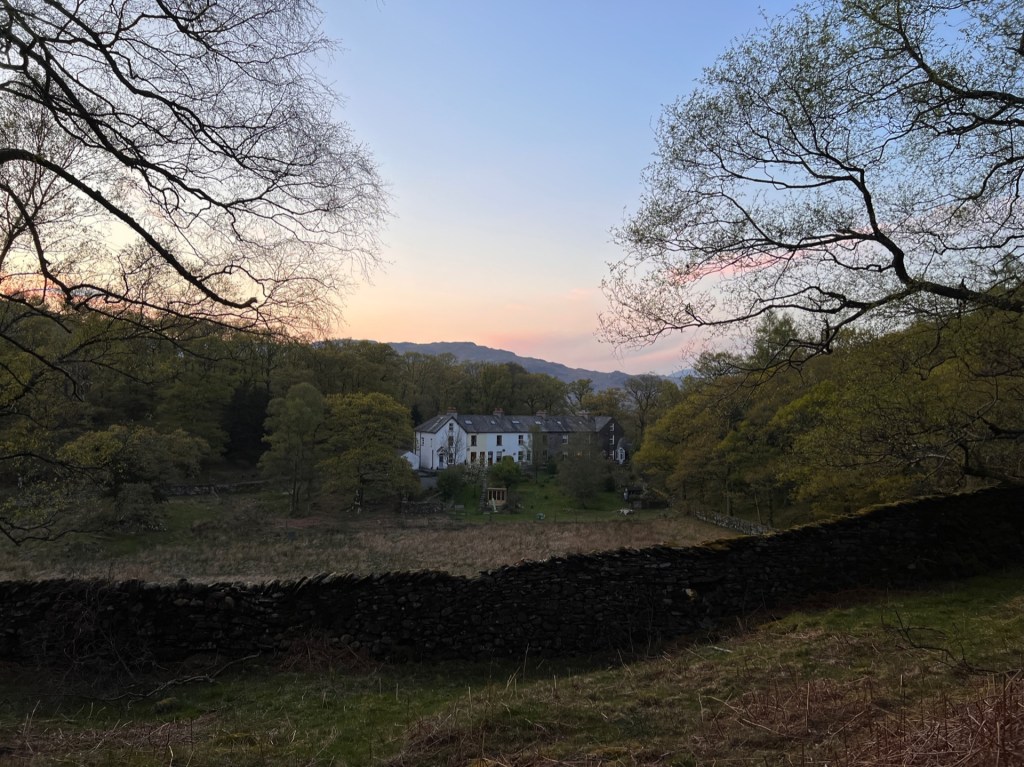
740 525
621 600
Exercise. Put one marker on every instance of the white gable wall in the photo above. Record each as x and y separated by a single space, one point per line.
440 449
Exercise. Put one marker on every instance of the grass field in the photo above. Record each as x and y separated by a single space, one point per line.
250 537
913 678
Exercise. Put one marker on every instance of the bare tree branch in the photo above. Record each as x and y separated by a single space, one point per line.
857 163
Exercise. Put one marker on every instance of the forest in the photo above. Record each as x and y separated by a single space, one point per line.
124 412
759 433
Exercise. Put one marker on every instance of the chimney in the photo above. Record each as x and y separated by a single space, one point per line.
453 411
499 412
542 413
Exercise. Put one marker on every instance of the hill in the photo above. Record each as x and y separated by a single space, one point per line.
466 351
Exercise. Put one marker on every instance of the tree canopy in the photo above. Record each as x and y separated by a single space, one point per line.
923 410
854 162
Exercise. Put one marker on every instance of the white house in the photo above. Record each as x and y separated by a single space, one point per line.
453 438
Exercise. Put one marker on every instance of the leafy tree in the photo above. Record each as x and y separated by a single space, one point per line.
451 482
497 386
610 402
577 393
349 367
196 393
914 412
680 454
649 395
294 428
721 447
365 434
584 472
128 463
927 409
854 163
429 383
539 391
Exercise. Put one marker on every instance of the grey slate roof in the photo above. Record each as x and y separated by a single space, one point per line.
522 424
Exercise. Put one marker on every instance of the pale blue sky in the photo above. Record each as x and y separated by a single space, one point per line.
513 134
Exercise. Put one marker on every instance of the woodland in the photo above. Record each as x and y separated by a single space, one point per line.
926 409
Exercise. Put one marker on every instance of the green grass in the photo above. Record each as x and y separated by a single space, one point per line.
543 496
841 684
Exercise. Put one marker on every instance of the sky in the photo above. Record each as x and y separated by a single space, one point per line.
512 135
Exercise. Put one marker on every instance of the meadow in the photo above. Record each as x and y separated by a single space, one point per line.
251 537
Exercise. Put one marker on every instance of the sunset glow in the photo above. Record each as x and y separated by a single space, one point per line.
513 137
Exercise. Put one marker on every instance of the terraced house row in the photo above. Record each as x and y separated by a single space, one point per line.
453 438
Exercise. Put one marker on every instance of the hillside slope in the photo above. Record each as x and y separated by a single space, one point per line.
466 351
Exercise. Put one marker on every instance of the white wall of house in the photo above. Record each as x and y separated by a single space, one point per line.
489 448
443 448
482 448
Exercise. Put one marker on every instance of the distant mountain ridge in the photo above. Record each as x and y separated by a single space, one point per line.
467 351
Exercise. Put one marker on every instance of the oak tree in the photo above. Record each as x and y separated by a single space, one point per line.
856 162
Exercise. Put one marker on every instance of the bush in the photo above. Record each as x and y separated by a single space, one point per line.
451 481
506 473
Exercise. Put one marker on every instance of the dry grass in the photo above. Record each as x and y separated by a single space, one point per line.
838 688
248 539
137 742
986 731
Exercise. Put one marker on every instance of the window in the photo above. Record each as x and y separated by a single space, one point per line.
472 440
472 457
451 440
565 439
521 439
498 443
520 456
490 458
